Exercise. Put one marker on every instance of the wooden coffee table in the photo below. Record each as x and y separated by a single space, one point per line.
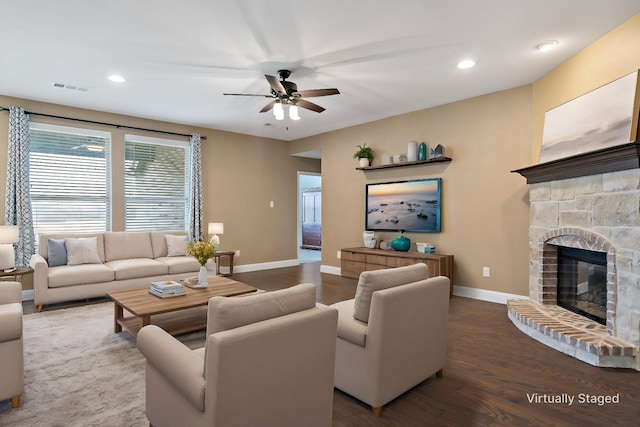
192 308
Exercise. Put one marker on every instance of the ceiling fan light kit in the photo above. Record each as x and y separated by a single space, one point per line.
286 94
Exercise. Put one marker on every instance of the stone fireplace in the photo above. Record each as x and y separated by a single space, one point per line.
594 210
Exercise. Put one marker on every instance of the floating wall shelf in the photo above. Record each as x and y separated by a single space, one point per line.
405 164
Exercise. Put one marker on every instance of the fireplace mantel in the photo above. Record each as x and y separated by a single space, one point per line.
619 157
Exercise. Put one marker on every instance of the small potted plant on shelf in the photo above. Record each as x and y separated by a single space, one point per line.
364 155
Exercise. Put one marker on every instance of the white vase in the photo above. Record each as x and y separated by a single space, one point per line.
203 277
364 162
412 151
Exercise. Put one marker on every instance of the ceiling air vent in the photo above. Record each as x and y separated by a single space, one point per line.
70 87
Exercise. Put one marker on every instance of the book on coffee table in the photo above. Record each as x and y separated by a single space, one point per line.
167 288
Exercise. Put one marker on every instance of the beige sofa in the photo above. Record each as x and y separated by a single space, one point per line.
123 260
268 361
393 335
11 345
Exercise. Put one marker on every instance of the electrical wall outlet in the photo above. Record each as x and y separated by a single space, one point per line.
486 272
271 203
338 254
237 254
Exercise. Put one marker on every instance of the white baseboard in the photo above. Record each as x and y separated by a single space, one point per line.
265 266
330 270
28 295
485 295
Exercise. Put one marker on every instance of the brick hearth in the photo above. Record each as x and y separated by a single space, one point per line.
571 333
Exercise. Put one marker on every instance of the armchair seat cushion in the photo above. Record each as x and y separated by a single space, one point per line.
10 321
350 329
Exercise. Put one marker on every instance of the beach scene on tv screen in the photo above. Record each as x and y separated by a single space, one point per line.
407 206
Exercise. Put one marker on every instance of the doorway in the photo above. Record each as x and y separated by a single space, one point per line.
310 217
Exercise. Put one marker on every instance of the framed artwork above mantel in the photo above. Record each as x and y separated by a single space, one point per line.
603 118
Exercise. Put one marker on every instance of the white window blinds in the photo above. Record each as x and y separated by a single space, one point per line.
70 179
156 184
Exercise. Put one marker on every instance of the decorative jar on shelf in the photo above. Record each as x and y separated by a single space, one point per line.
422 151
401 243
412 151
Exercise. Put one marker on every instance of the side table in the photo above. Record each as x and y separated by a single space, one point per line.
16 274
217 255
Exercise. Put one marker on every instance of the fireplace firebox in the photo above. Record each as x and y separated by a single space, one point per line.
582 282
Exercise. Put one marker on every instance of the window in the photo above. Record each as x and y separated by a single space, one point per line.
156 183
70 179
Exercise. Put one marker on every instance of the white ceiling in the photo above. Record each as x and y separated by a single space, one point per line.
385 57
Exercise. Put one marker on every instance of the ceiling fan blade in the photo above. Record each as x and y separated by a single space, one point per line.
268 107
309 105
316 92
275 84
248 94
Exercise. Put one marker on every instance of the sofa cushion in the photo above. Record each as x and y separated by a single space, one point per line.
10 321
159 243
180 264
126 245
371 281
57 252
350 329
83 250
137 267
176 245
83 274
229 313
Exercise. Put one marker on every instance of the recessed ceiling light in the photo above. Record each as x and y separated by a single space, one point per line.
116 78
547 45
467 63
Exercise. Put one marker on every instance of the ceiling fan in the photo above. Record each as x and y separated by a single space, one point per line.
286 93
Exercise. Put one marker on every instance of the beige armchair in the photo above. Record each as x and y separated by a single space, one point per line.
11 347
268 361
392 336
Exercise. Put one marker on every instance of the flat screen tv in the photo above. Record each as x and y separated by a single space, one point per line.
412 205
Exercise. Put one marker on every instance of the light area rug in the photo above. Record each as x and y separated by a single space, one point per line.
78 372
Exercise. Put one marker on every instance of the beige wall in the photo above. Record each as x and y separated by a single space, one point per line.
241 175
485 206
612 56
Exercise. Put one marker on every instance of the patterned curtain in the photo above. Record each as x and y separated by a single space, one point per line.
196 227
17 200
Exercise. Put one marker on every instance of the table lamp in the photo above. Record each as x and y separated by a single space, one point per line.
216 228
8 236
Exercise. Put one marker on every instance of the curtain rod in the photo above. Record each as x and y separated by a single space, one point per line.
93 122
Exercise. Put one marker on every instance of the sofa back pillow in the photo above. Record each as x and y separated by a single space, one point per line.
127 245
176 245
229 313
371 281
159 242
82 251
57 252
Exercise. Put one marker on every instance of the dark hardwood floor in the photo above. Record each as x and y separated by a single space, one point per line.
492 371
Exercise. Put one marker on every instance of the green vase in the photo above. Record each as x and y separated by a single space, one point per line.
422 152
401 243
